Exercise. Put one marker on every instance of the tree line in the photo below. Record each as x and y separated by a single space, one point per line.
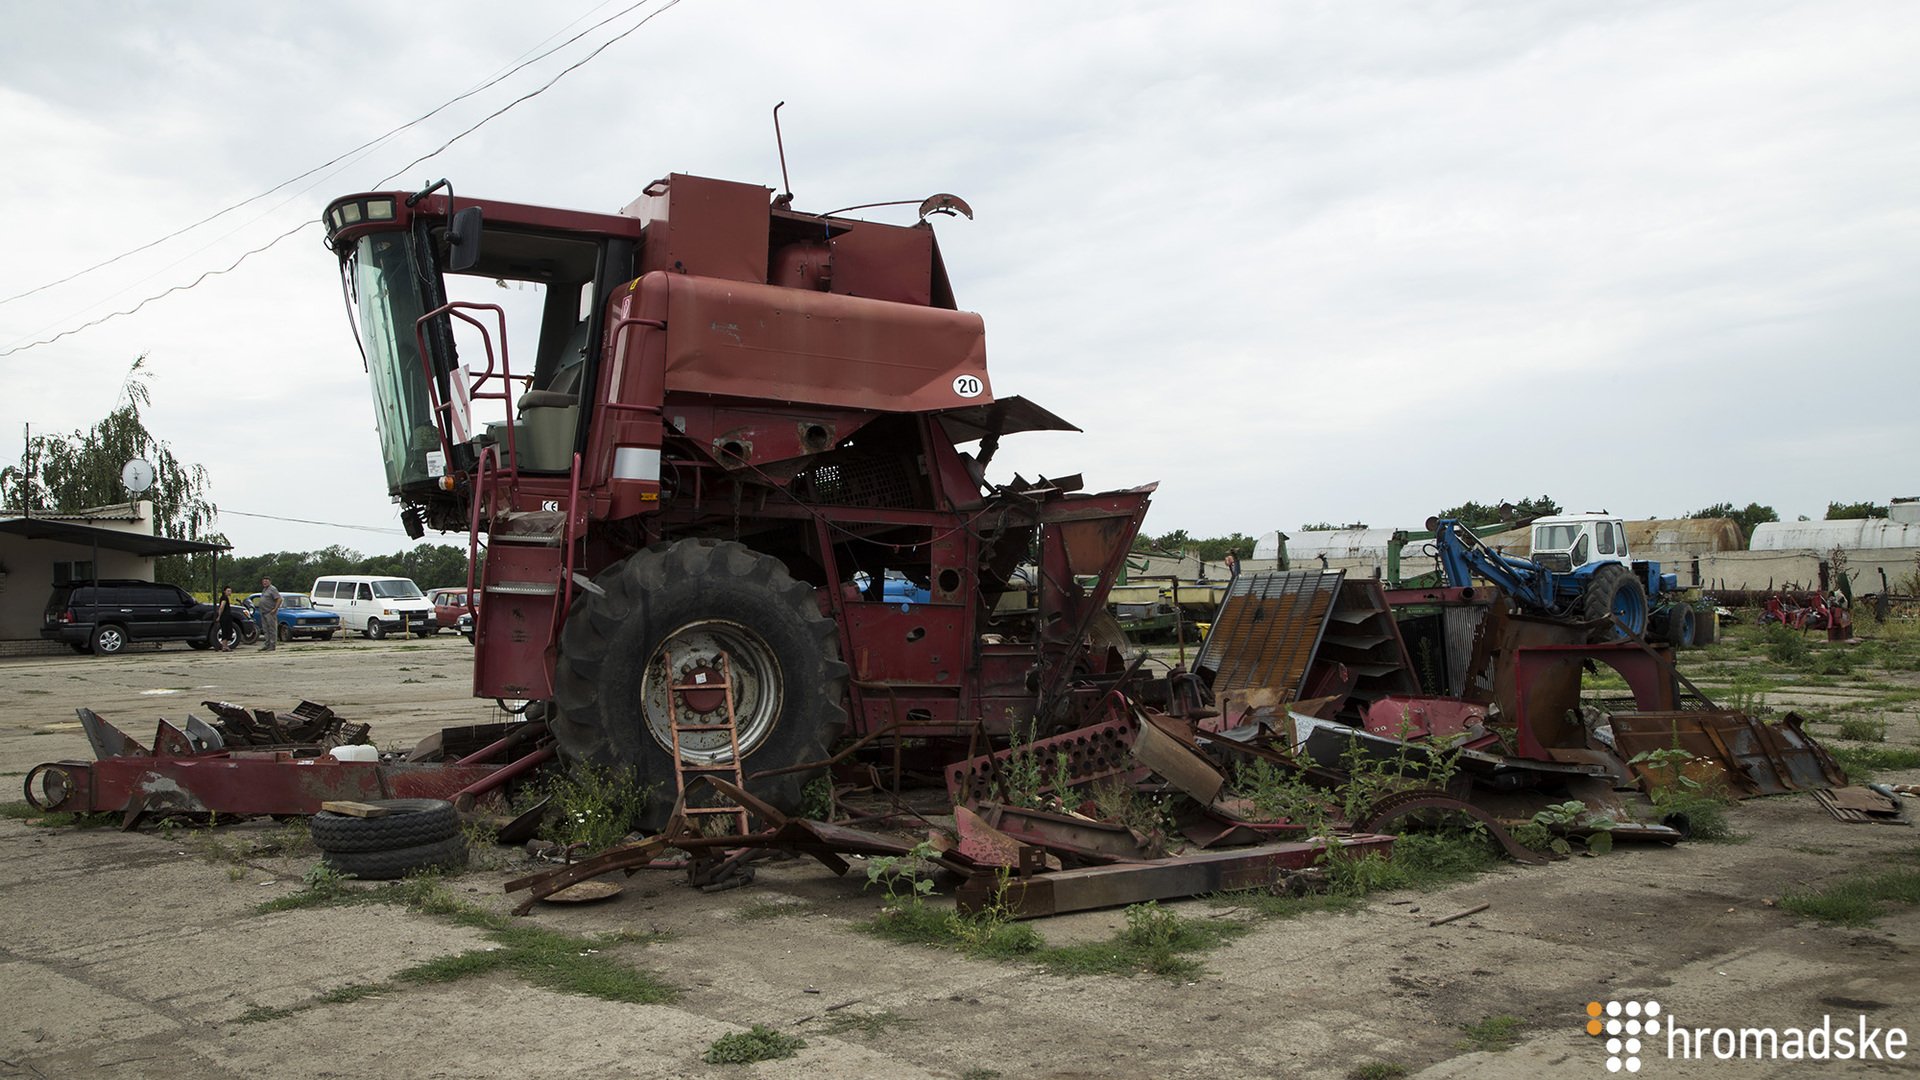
429 565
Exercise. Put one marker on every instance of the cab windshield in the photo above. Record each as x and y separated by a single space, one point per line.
387 303
1555 537
400 589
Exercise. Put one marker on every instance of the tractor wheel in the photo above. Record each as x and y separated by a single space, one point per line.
1614 591
1680 626
693 600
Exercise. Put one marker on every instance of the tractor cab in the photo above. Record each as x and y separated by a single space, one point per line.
1566 544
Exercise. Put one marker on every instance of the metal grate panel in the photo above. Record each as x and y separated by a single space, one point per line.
1268 629
874 482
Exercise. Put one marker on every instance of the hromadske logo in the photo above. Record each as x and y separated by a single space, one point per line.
1623 1022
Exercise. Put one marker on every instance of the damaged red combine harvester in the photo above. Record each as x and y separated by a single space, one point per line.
734 532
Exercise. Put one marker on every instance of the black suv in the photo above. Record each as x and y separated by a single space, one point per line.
105 616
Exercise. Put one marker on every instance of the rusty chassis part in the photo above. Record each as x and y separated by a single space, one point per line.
1159 879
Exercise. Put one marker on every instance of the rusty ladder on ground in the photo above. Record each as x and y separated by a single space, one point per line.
681 768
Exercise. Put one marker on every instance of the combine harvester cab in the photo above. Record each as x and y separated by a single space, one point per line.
737 423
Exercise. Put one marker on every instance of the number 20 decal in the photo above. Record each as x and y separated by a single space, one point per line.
968 385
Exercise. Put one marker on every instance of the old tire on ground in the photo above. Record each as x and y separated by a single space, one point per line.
1681 626
408 823
376 631
695 599
109 640
1614 591
448 854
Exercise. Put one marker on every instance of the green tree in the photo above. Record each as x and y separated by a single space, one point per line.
1477 513
1854 511
429 565
1210 549
65 473
1753 514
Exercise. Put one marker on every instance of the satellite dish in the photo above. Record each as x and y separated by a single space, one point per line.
137 475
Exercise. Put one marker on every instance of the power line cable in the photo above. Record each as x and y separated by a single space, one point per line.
441 149
371 143
309 521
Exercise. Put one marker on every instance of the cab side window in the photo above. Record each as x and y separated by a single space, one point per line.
1605 532
365 593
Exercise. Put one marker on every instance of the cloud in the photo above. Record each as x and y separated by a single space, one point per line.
1295 261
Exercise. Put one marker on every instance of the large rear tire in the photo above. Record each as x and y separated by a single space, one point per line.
694 599
1613 591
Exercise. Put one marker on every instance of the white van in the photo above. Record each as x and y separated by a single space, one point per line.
375 606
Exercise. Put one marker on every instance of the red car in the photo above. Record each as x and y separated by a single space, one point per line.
449 605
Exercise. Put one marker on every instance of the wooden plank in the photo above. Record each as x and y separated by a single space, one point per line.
355 809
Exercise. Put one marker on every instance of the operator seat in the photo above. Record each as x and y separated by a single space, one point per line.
548 420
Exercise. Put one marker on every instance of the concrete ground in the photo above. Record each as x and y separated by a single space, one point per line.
143 954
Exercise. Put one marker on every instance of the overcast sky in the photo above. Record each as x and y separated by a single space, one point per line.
1297 262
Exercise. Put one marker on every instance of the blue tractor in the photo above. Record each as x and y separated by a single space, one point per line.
1579 569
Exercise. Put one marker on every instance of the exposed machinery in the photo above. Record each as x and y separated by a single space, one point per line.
738 423
1580 568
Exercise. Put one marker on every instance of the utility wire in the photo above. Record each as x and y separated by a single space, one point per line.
309 521
442 107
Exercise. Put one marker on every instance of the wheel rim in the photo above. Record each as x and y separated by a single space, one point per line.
1628 608
110 641
697 646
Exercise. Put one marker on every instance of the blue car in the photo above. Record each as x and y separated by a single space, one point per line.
299 618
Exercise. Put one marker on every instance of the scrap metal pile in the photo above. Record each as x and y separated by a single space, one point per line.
1310 674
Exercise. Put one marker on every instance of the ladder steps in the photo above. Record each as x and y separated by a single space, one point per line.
731 767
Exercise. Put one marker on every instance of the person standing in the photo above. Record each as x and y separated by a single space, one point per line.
225 622
1233 566
268 607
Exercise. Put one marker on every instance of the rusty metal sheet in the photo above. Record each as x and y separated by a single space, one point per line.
1160 879
1080 837
1093 753
1754 758
1168 750
240 783
1268 629
980 843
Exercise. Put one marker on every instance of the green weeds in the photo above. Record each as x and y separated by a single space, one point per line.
865 1024
1492 1033
758 1043
1864 728
594 807
1863 763
1859 899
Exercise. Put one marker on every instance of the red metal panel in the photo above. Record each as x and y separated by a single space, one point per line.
714 228
884 262
924 644
743 340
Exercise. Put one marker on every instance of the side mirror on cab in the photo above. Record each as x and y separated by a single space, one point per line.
463 240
